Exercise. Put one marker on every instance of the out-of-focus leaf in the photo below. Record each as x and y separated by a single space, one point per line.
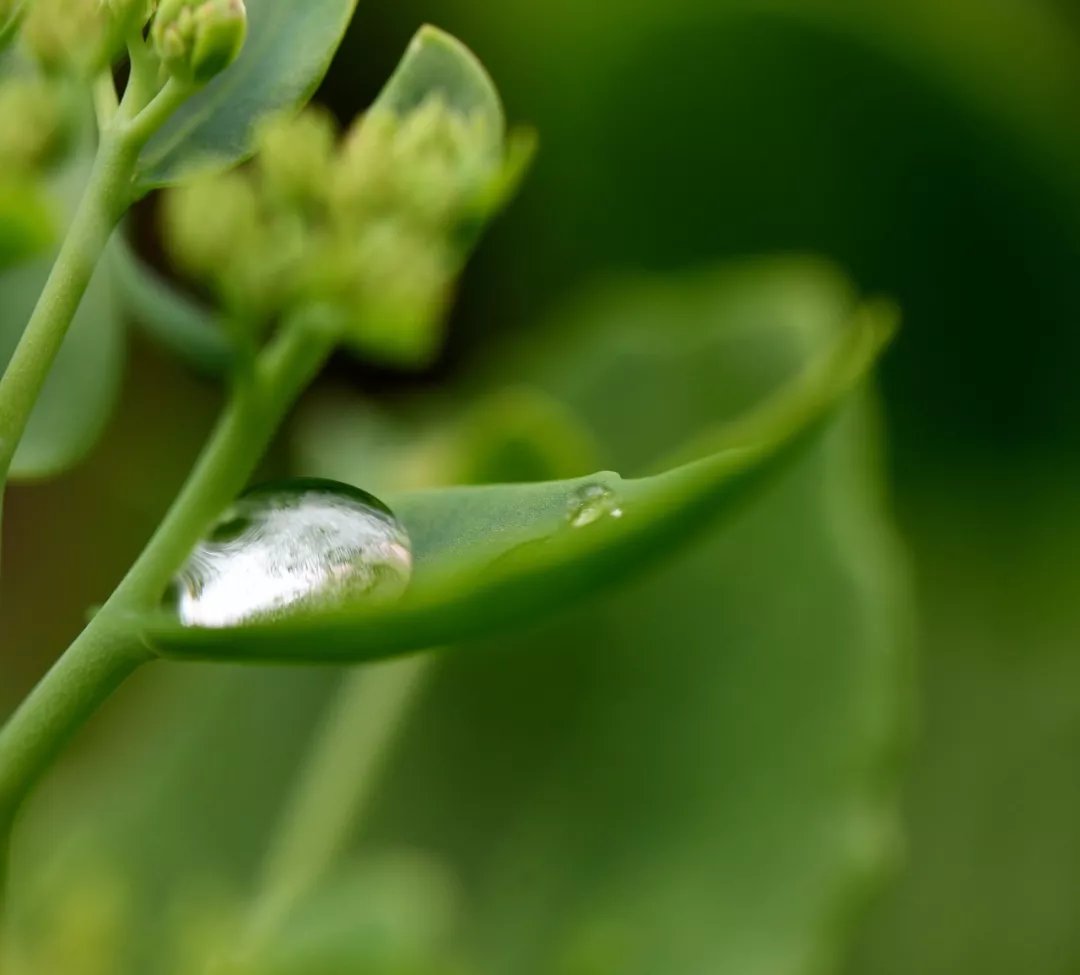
503 436
437 63
693 775
489 557
288 49
994 799
27 222
83 385
696 774
385 915
177 322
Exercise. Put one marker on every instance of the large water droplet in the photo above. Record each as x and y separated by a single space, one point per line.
591 503
293 546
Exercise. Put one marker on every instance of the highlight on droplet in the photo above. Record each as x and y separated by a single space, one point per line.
289 547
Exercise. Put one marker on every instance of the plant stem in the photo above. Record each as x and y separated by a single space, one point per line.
106 197
106 102
334 790
110 648
143 77
109 192
151 117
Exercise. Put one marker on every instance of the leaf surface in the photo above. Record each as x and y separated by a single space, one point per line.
490 557
288 49
84 383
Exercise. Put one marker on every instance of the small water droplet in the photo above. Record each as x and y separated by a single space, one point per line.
292 546
591 503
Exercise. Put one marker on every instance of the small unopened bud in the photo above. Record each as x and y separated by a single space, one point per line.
128 15
364 178
219 230
198 39
296 157
210 222
33 126
401 286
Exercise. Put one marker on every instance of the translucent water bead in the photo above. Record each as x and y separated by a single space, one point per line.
293 546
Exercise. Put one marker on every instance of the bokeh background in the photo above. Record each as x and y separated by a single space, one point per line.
929 147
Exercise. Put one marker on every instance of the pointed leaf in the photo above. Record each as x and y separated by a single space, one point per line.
174 320
492 556
438 63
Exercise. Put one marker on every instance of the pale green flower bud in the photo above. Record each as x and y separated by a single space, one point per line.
296 157
400 291
363 179
34 127
429 166
198 39
219 230
69 35
443 159
128 16
211 221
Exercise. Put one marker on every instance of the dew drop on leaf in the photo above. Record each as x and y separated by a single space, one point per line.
292 546
591 503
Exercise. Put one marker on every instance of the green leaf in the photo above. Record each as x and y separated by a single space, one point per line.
27 221
490 557
436 63
288 49
697 773
84 384
174 320
693 774
394 913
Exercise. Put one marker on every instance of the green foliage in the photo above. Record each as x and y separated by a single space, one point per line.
288 49
33 134
81 37
374 231
34 125
358 241
83 387
27 221
695 771
489 557
175 321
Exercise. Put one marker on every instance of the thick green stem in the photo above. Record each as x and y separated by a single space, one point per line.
107 195
110 649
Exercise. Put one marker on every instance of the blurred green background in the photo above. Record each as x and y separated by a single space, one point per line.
929 147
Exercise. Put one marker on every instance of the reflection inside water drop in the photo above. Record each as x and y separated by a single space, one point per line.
293 546
591 503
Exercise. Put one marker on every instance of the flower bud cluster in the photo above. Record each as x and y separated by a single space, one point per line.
81 36
34 127
375 225
194 40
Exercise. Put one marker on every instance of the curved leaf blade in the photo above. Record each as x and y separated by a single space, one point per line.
83 386
436 63
175 321
489 557
287 52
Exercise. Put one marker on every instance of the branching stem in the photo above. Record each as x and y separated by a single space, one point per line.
110 648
